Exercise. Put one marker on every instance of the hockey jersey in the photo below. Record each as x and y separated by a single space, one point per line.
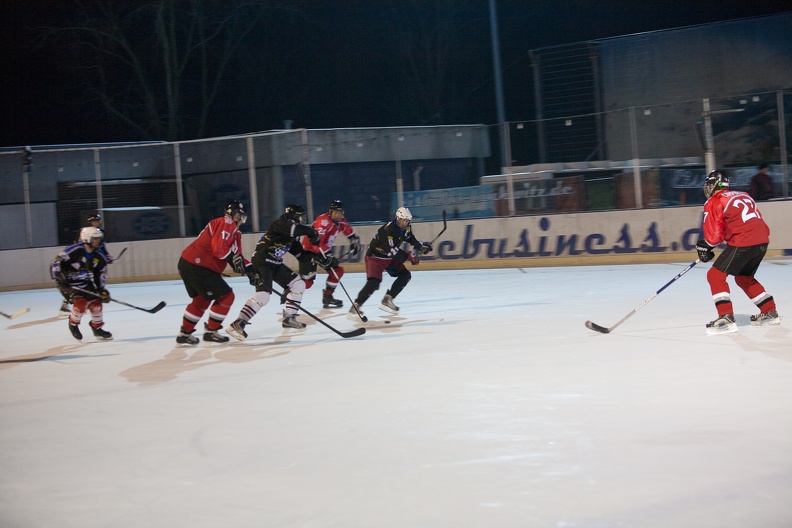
328 232
77 267
219 240
280 238
734 218
389 238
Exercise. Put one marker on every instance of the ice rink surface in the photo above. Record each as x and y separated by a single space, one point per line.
485 403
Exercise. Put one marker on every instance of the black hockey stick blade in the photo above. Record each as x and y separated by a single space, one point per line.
119 255
597 328
15 314
352 333
156 309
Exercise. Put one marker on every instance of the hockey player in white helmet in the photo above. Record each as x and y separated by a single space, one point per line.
83 265
385 254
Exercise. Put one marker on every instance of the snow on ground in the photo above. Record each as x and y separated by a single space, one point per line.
486 402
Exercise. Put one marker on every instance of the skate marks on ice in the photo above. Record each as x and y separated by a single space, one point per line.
27 324
181 359
58 353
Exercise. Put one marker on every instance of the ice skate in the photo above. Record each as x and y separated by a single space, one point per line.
724 324
237 330
65 309
328 301
213 336
388 306
291 325
354 311
186 338
75 331
102 334
766 319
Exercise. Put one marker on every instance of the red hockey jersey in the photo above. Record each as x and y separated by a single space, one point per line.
328 231
220 239
732 216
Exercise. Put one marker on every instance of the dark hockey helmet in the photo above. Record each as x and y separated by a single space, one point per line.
235 207
715 181
96 217
295 212
337 205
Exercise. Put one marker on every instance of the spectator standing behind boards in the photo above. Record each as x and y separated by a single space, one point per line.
761 185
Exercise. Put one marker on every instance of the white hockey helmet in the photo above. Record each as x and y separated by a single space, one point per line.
87 234
402 213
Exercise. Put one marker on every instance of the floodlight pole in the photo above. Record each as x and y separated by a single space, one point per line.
496 61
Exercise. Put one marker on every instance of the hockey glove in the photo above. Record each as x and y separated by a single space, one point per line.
104 295
326 261
238 263
313 237
252 275
354 244
413 258
425 248
704 251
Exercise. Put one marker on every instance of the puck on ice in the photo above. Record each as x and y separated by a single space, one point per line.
387 322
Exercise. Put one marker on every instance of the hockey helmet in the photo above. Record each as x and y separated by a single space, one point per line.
88 234
715 181
96 217
235 207
402 213
337 205
295 212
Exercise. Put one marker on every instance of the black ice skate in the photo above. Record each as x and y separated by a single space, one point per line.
237 330
724 324
328 301
292 325
354 311
102 334
766 319
388 306
212 336
75 331
186 338
65 309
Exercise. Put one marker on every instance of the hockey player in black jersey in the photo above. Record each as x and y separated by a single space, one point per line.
84 266
385 255
94 220
268 267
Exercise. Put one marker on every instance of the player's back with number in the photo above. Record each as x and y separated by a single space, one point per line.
733 217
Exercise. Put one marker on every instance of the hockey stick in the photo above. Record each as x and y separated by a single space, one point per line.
351 333
15 314
603 330
119 255
156 309
445 225
362 317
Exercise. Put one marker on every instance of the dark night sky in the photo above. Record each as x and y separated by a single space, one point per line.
330 63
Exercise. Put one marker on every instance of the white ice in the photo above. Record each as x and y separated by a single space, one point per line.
485 403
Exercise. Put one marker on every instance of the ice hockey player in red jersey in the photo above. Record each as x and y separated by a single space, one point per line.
84 265
201 266
329 225
733 217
